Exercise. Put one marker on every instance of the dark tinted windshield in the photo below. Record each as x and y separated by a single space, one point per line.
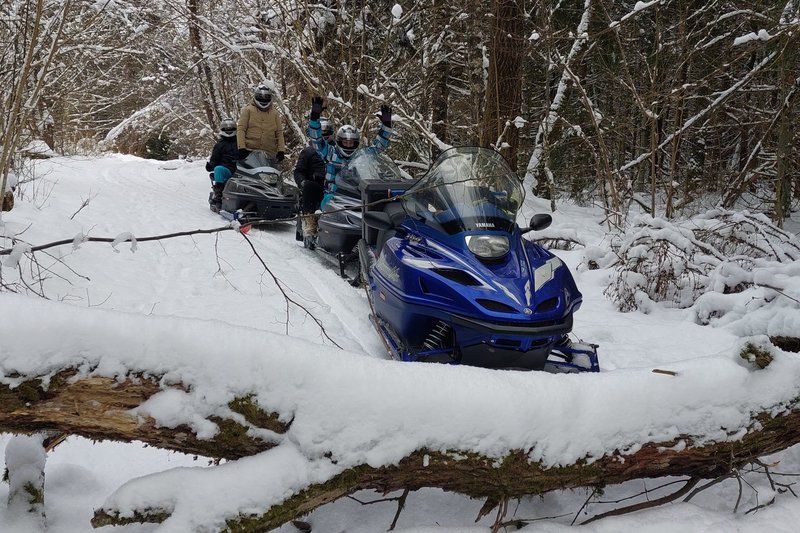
258 159
467 188
366 163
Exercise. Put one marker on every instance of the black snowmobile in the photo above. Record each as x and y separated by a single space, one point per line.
257 192
340 226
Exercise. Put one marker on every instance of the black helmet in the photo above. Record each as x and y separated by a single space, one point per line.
227 128
327 128
263 96
347 139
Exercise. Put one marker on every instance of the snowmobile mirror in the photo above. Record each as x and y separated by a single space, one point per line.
539 221
378 220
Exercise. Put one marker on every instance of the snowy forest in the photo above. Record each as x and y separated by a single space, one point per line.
661 137
661 103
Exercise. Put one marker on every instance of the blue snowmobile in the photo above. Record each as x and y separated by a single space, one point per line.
451 279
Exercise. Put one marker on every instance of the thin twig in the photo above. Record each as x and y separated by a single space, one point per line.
84 204
502 509
401 503
739 495
288 299
585 503
7 251
711 483
648 504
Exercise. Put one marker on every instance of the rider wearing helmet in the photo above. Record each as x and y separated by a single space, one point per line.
347 140
335 155
261 126
222 163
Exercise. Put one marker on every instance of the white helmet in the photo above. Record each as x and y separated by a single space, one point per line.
227 127
347 140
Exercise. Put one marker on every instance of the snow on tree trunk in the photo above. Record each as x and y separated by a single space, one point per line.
25 460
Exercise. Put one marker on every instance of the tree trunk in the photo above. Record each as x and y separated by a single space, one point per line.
440 78
100 408
515 476
783 180
25 457
203 71
504 85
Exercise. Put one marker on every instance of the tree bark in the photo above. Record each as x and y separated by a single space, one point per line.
100 408
504 85
203 71
439 78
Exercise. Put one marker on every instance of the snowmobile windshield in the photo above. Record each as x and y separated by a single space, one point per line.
365 164
260 166
467 189
258 159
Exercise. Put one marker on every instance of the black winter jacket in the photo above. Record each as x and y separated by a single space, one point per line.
309 166
225 153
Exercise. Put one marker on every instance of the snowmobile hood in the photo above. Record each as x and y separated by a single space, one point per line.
528 284
471 195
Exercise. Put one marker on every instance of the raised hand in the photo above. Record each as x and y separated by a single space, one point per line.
316 107
386 115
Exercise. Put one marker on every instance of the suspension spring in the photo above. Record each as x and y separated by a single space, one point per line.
438 336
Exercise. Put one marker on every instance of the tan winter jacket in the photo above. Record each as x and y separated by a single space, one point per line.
261 130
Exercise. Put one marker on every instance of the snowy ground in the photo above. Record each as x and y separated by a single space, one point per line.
214 286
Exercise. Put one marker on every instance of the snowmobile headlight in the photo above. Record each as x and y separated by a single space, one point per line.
546 272
488 246
268 177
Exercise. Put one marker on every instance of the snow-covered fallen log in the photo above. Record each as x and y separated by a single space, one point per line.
345 422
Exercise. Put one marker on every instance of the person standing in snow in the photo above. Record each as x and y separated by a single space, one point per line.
336 154
261 127
222 161
309 173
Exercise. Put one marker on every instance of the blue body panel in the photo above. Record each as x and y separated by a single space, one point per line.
417 282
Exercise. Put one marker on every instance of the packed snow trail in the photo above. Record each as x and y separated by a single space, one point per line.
217 276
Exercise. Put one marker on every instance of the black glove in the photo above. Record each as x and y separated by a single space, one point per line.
316 107
279 156
209 166
243 153
386 115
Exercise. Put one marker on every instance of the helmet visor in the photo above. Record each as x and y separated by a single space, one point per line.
348 143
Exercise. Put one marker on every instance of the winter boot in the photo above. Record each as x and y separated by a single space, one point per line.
7 201
215 197
310 231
